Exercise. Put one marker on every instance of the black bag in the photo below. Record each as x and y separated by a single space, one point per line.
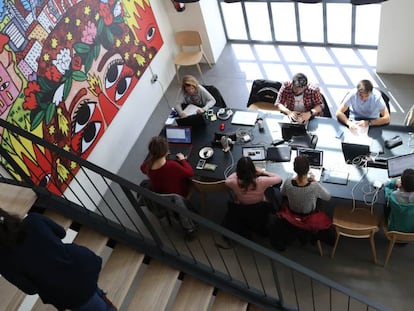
264 91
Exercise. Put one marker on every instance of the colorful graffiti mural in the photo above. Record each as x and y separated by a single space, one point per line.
66 68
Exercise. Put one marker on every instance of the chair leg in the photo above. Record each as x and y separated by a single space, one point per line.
177 74
319 245
201 73
336 244
374 252
207 60
389 250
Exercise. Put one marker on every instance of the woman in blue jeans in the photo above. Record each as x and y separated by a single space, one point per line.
34 259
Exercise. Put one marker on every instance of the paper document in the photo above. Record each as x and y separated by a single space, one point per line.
244 118
191 109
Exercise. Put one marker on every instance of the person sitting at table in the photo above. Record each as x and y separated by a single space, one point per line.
399 194
34 259
299 100
192 93
300 217
256 195
366 107
166 176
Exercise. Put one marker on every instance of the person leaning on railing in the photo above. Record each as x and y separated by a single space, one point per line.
34 258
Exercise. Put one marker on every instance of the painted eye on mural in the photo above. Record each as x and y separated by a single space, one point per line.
4 86
83 115
89 135
118 79
151 33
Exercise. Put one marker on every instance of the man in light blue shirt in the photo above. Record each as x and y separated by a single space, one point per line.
366 107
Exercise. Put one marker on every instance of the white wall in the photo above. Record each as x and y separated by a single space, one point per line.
124 130
396 42
128 124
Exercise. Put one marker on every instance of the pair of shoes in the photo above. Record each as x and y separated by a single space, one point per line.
108 302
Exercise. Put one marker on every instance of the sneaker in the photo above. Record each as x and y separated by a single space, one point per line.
108 302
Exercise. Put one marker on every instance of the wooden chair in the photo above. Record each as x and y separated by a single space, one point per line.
358 223
394 237
191 51
204 187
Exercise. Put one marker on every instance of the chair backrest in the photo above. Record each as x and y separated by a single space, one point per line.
188 38
210 186
220 103
264 91
325 110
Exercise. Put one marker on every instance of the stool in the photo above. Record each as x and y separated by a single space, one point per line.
358 223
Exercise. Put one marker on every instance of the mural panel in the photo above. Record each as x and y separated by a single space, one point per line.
66 68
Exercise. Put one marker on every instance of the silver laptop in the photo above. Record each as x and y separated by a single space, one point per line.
315 158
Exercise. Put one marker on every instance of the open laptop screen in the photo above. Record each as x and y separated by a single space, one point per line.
292 129
257 153
352 151
178 134
397 165
315 157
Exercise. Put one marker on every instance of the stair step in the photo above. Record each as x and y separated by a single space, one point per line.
193 295
155 288
58 218
227 302
10 296
119 272
16 200
91 239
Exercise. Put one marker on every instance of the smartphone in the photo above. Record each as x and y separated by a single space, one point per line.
200 164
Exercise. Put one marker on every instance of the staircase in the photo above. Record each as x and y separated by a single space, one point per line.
132 280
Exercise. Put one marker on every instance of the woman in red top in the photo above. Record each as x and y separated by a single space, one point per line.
166 176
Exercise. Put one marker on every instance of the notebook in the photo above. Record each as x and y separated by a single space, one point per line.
292 129
352 151
315 158
397 165
179 140
244 118
193 120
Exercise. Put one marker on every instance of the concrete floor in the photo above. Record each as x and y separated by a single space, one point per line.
335 70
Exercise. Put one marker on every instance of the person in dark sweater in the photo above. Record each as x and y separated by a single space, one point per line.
34 259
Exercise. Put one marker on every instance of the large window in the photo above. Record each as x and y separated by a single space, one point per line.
331 22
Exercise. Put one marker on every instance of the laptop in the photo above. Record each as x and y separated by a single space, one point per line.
244 118
279 154
192 120
315 158
256 153
397 165
179 140
352 151
292 129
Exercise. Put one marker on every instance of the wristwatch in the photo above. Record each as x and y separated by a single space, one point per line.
369 122
312 111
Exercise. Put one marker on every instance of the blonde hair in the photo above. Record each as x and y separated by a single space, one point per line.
189 80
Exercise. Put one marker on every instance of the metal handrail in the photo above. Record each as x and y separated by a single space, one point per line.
112 205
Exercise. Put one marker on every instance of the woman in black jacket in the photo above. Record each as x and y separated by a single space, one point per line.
34 258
